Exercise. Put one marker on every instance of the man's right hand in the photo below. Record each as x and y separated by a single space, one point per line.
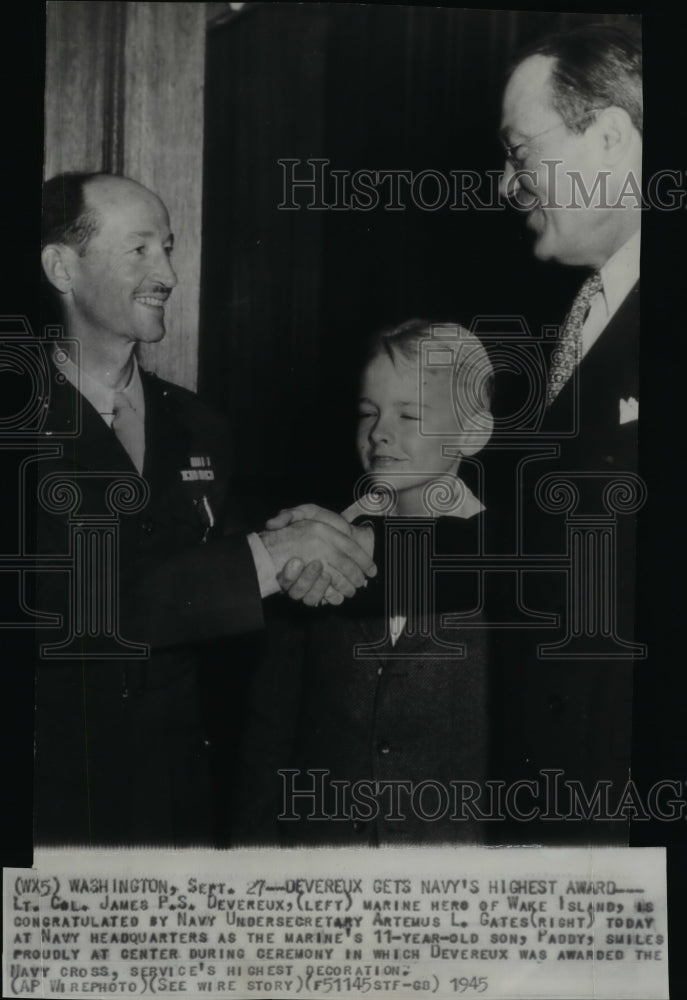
343 564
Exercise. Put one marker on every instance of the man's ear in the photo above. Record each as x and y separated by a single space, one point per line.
58 264
476 435
615 131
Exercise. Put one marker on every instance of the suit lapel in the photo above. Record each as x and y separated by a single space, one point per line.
95 446
169 435
614 357
165 437
610 368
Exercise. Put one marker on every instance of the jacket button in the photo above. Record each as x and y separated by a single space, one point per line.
148 526
384 748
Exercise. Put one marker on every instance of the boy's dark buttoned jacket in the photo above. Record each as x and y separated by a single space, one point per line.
332 693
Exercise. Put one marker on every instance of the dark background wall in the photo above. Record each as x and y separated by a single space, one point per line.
287 297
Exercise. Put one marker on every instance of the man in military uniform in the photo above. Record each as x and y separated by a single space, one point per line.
122 755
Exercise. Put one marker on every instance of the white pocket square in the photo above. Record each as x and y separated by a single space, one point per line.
629 410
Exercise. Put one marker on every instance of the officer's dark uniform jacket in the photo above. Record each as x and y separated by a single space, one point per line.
121 749
396 713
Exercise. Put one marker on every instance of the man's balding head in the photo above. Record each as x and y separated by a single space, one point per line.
66 218
70 213
571 124
106 250
594 66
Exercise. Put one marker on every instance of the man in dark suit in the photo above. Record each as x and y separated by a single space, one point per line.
572 130
122 754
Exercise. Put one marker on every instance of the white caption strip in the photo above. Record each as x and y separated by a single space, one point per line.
508 923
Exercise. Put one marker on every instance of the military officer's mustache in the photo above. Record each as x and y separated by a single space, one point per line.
157 289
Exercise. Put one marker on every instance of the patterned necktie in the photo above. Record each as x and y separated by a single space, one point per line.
127 427
565 355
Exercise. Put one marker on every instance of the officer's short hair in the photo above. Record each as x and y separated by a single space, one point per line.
66 218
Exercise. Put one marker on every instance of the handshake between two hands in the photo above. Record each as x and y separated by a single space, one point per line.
319 556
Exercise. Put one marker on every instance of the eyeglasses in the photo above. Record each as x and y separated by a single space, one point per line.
516 160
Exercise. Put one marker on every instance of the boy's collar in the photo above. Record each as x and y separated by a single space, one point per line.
467 505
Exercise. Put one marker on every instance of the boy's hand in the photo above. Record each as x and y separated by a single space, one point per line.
308 583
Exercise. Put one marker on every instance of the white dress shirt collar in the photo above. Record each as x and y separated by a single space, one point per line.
618 275
98 395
